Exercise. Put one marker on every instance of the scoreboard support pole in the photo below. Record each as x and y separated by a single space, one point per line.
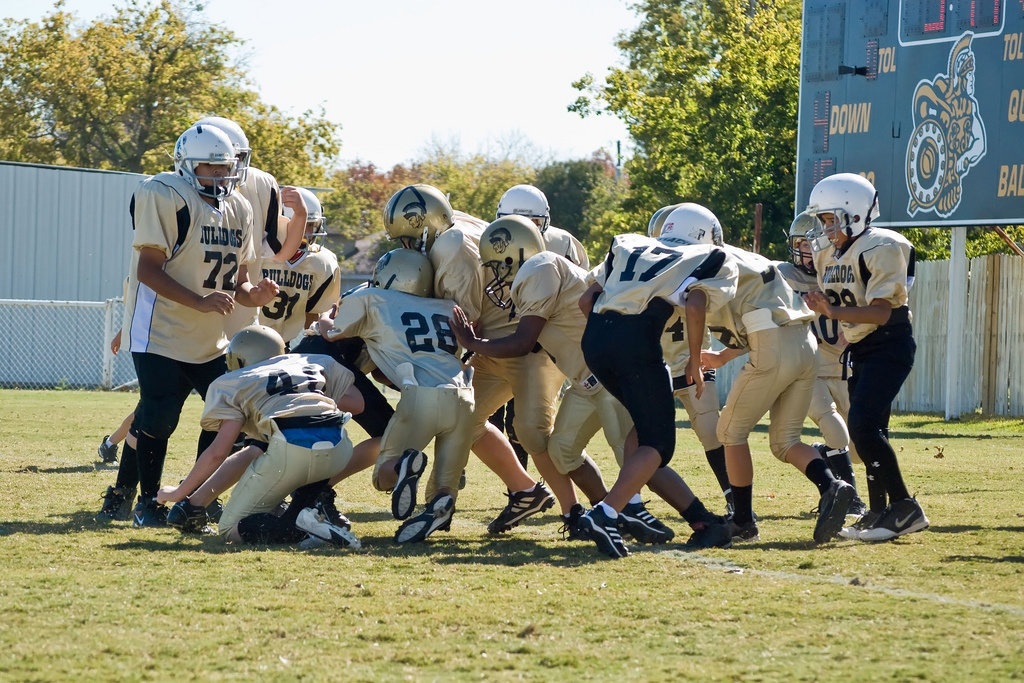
956 322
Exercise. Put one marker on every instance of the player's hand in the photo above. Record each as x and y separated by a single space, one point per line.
818 302
695 376
216 302
712 360
461 327
325 325
291 198
115 343
168 494
264 292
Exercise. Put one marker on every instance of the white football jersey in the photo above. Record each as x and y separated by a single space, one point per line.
292 385
564 243
204 247
312 285
753 284
403 328
831 341
879 264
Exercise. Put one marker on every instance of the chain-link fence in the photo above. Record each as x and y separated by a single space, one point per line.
61 344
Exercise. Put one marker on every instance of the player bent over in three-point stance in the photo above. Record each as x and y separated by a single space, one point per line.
284 401
864 274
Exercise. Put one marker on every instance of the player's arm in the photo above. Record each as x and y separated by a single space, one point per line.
151 273
519 343
296 228
254 296
875 313
211 458
588 298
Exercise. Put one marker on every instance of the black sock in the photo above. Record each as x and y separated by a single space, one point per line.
151 454
716 459
819 474
696 512
842 466
743 497
128 470
877 498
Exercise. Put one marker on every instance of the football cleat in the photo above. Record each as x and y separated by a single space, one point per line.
644 527
315 523
743 532
409 468
436 516
148 513
117 504
188 518
866 521
901 517
832 507
571 529
713 535
324 503
604 531
520 506
108 454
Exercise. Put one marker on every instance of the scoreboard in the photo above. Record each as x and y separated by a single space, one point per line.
925 98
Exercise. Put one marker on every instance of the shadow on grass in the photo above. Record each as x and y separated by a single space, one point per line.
1014 559
83 520
75 469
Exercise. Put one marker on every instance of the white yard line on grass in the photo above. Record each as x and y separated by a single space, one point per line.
839 580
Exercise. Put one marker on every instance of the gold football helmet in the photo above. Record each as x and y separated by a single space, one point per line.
253 344
416 215
658 220
504 246
404 270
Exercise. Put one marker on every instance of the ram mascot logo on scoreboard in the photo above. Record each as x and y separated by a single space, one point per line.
949 135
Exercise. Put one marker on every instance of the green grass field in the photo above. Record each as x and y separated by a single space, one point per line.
82 600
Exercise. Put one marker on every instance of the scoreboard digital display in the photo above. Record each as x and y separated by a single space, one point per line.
925 98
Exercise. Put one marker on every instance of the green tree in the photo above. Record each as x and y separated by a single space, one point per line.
709 95
117 92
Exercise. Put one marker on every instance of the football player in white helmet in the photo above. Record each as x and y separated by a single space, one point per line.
864 274
192 215
690 223
830 401
421 217
409 339
293 405
276 238
545 290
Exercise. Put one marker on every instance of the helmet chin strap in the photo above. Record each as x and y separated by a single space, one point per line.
423 240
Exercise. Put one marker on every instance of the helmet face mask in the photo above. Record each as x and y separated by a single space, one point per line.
527 201
844 205
404 270
243 152
203 144
253 344
505 245
690 223
800 244
416 215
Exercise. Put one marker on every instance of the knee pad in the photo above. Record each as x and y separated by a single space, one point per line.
833 430
704 418
560 451
534 438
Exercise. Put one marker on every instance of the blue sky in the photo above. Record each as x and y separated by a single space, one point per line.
401 76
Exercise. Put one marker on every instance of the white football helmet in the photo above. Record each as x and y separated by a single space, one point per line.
238 139
844 203
658 220
404 270
691 223
206 144
416 215
253 344
528 201
800 244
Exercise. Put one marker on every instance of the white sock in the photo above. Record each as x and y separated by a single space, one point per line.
527 490
108 443
608 510
635 499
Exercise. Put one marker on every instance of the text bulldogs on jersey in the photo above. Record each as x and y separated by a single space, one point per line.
215 234
289 278
838 274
